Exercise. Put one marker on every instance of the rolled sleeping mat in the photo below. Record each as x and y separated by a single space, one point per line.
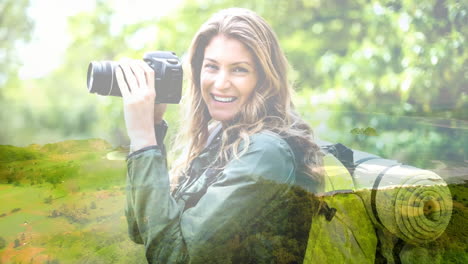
412 203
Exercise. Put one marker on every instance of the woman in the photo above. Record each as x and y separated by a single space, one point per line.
248 164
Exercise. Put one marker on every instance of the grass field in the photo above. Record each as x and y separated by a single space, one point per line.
63 203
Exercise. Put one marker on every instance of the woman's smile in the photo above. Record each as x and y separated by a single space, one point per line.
223 99
228 77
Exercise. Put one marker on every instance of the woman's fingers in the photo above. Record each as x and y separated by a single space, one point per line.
137 77
149 74
124 90
130 76
138 74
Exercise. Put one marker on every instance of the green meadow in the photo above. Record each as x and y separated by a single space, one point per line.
63 203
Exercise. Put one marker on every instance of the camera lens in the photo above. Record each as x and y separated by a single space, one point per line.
168 76
101 78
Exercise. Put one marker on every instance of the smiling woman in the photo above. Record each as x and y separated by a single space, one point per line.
227 78
242 190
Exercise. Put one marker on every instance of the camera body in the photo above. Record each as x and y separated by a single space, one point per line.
168 75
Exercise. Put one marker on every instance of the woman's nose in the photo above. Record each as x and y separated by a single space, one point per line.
222 80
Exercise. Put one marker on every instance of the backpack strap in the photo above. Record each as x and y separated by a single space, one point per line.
344 154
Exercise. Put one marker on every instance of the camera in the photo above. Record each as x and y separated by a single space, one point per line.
168 75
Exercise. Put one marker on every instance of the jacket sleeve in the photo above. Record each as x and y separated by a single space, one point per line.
247 197
148 190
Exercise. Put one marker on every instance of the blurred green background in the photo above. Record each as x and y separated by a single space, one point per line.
387 77
397 67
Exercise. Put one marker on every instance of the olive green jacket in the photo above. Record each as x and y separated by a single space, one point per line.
255 209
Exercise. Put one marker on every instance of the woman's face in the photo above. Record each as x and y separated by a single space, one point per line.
228 77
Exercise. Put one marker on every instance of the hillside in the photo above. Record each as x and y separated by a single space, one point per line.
51 163
64 195
11 153
63 203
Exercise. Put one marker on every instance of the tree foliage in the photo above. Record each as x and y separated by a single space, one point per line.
15 28
396 67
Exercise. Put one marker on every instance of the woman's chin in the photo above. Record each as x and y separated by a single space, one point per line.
222 116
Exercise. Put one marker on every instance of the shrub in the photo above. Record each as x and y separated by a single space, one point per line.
17 243
3 243
48 200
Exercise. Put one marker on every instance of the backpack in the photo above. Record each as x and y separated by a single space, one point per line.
377 210
342 232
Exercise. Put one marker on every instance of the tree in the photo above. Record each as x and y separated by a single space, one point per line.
15 28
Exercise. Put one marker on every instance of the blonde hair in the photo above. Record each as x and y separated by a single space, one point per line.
269 106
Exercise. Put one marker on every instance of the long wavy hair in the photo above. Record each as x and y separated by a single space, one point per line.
268 108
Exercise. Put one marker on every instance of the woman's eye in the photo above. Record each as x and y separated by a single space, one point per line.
240 69
211 66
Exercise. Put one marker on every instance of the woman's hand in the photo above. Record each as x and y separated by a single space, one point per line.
136 83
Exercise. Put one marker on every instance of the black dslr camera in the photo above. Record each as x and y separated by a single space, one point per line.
167 72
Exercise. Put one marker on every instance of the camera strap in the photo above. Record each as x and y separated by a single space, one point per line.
213 133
